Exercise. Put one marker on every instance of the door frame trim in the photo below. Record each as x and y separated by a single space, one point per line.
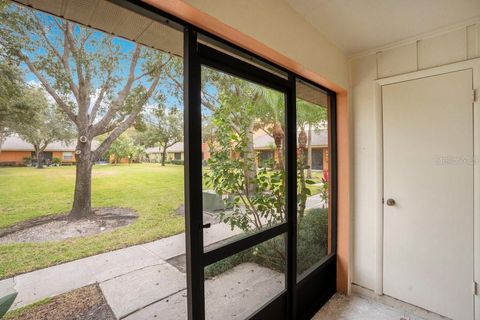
474 65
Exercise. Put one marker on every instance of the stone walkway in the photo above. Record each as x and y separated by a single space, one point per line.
139 283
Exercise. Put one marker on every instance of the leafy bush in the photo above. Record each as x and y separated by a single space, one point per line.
27 161
312 242
56 161
178 162
312 245
228 263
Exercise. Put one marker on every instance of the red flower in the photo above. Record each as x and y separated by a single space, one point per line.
325 175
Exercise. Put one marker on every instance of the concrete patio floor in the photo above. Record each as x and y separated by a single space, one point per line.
359 307
234 295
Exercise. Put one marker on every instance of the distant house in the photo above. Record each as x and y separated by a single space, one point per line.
265 145
175 152
14 151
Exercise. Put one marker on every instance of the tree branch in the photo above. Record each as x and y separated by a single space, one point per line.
125 124
208 104
64 106
122 95
71 43
98 101
62 58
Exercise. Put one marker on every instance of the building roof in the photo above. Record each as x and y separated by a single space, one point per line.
15 143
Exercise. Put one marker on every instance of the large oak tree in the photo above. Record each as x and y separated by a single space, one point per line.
99 83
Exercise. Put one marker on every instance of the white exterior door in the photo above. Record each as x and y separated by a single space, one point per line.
428 172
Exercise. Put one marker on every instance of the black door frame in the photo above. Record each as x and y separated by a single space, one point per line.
303 295
197 55
320 282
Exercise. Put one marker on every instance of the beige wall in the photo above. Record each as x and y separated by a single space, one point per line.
277 25
451 45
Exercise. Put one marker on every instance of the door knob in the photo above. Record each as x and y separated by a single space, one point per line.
390 202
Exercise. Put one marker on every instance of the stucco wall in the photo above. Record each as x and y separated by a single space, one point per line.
454 44
14 156
277 25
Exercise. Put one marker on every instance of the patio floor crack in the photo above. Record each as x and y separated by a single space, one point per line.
152 303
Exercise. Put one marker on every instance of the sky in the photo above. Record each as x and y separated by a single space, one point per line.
125 48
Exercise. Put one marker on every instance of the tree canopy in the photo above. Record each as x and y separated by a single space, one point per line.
164 127
12 89
45 125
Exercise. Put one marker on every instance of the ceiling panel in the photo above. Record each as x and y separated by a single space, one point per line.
358 25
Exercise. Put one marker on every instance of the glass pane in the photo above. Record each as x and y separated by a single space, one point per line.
313 241
241 284
243 156
98 232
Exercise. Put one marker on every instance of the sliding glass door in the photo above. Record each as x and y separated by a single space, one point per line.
239 222
259 214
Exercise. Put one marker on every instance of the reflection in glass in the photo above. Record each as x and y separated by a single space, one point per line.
239 285
313 186
243 156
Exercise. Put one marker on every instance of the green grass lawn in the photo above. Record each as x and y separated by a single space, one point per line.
150 189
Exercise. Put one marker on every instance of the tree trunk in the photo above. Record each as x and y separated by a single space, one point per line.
39 156
302 141
82 200
164 155
303 187
3 136
251 170
309 152
278 135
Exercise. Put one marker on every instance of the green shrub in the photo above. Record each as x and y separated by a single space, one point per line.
228 263
312 245
56 161
27 161
179 162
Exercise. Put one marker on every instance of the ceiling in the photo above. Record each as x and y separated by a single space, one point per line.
110 18
359 25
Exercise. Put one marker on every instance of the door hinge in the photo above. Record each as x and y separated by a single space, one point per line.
474 95
475 289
